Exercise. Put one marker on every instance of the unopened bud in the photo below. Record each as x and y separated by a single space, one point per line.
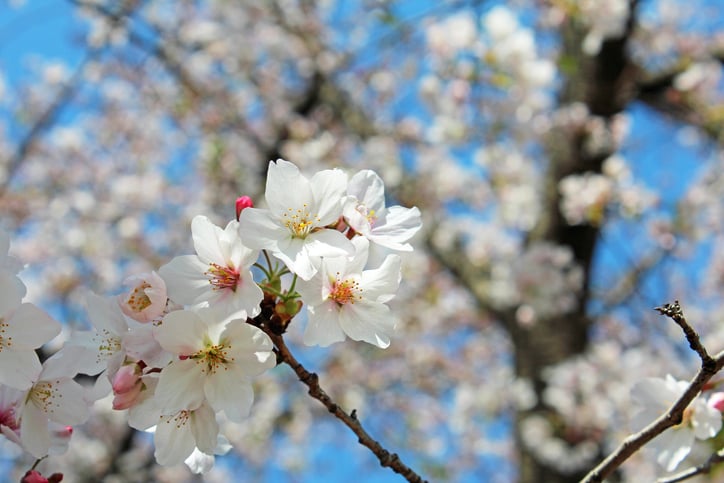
716 401
126 378
33 476
124 400
241 203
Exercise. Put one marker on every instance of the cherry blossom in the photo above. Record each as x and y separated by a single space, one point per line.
23 328
218 275
344 300
146 301
365 212
215 363
54 397
294 228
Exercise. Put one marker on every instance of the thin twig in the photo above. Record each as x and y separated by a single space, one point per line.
675 414
702 469
391 460
674 312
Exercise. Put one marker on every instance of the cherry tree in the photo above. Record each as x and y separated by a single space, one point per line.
562 159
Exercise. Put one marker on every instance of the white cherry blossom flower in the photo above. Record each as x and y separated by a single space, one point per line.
215 363
23 328
365 212
294 229
53 398
345 300
218 275
701 419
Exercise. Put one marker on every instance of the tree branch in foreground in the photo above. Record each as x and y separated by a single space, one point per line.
672 417
391 460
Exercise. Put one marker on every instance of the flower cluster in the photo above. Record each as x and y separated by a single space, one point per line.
180 347
39 403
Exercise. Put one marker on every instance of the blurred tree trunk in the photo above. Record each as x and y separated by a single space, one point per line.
604 83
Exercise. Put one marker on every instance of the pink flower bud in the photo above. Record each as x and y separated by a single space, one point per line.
716 401
33 476
126 379
241 203
124 400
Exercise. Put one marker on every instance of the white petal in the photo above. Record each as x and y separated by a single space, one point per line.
69 403
230 392
381 284
706 420
329 243
180 386
397 226
245 338
286 188
199 463
323 327
205 429
258 229
12 290
367 321
207 241
34 431
294 254
30 327
328 187
182 332
19 369
311 290
173 439
653 393
369 189
672 447
105 314
186 282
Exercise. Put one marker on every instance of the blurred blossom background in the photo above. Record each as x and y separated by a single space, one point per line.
566 157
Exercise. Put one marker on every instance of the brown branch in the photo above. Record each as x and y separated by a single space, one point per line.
674 312
702 469
674 415
387 459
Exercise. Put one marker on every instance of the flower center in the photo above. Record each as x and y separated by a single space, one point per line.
138 300
179 419
345 291
370 215
300 222
43 395
108 344
213 357
223 277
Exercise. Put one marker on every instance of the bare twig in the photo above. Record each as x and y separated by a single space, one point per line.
674 312
702 469
391 460
674 415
